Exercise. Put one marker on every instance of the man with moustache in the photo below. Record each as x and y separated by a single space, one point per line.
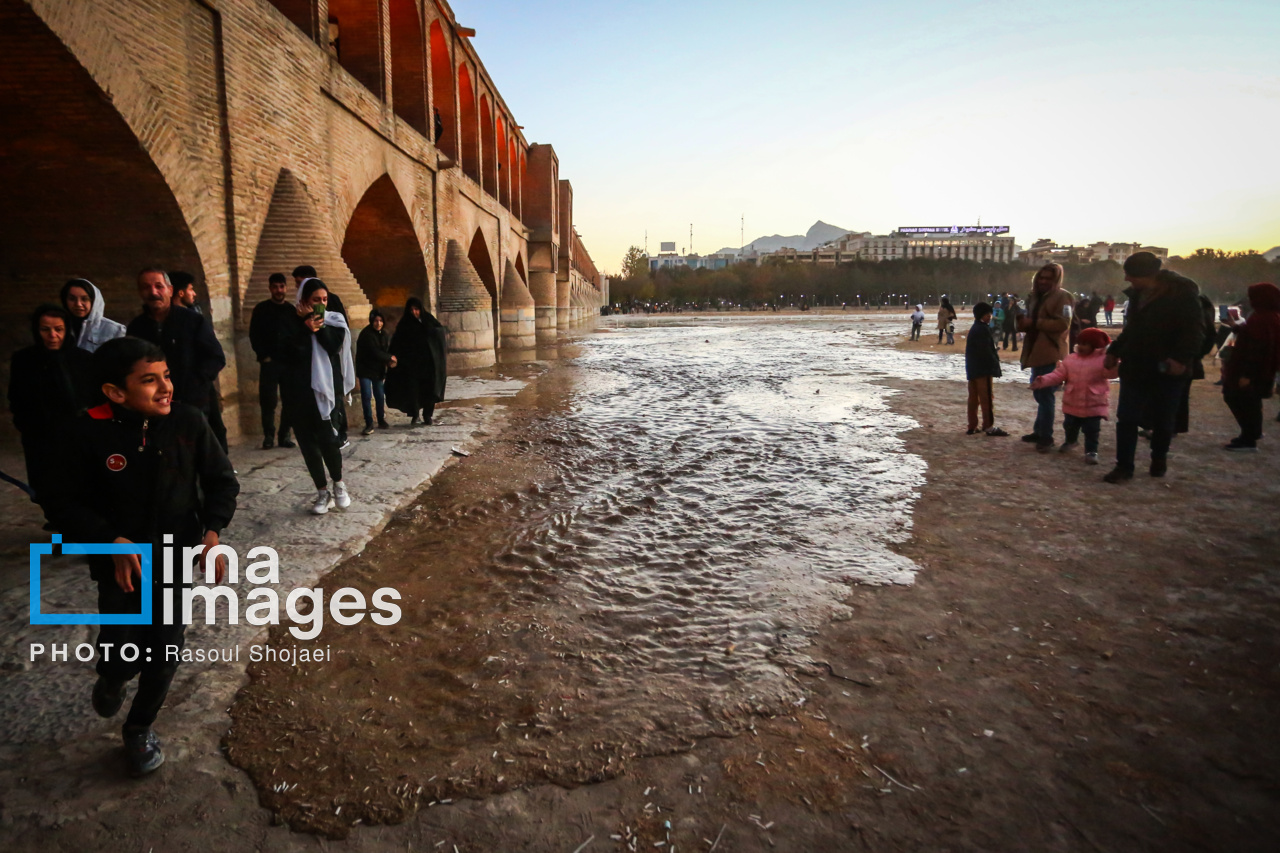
192 351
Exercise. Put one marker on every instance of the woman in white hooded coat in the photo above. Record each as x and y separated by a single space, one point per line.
89 328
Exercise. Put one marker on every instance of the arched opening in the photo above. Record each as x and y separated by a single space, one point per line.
291 235
408 66
301 12
443 95
79 196
524 182
513 162
479 256
353 38
504 172
470 127
487 159
382 249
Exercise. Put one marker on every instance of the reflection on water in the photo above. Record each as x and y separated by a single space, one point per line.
630 570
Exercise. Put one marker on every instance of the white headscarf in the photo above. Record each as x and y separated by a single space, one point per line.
95 329
322 367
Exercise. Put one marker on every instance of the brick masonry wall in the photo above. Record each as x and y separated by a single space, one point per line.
222 139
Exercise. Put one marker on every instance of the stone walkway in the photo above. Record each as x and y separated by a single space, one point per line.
43 702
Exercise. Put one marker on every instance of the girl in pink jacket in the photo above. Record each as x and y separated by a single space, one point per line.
1087 399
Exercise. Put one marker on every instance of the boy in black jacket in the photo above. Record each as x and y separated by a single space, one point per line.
981 366
140 469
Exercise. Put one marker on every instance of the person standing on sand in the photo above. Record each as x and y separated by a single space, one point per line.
1163 333
1108 307
917 322
947 321
1087 399
1009 328
1249 376
1047 324
981 366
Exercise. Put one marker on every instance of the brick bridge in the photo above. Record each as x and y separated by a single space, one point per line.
237 138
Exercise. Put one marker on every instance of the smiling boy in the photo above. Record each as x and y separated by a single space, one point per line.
135 470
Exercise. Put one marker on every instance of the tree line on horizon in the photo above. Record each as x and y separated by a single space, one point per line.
1222 276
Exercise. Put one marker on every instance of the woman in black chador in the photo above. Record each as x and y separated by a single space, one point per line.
417 383
50 382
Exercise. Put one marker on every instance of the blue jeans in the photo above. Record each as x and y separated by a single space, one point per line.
372 388
1046 399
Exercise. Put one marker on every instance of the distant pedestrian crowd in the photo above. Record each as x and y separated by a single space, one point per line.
1168 329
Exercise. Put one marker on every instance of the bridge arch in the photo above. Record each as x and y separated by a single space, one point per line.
470 123
83 194
408 66
488 160
355 40
482 260
381 248
443 92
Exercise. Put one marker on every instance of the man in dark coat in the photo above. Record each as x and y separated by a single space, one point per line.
417 383
194 356
264 333
141 469
1162 336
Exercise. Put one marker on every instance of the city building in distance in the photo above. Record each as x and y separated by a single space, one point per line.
969 242
1046 251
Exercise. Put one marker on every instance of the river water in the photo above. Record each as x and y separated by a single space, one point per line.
638 562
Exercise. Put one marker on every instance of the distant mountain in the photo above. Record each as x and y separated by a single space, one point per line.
1273 255
818 234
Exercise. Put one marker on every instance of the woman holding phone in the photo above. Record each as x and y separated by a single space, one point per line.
318 372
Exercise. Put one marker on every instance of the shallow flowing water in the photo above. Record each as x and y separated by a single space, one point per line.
637 564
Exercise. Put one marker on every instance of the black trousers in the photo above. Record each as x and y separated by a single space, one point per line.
152 665
319 451
1246 405
1151 402
268 395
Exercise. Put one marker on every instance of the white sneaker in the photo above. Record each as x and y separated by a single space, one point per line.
1091 459
323 502
340 496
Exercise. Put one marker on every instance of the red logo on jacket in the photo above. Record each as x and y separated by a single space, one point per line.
116 462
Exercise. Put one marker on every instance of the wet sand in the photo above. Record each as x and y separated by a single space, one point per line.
1075 667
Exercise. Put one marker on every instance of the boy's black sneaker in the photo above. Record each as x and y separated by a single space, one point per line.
1118 475
286 443
108 696
142 748
1159 467
1240 447
1031 438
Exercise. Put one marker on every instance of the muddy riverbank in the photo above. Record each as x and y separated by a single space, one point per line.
1042 661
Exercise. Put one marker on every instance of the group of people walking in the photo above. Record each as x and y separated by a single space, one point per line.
122 433
1168 331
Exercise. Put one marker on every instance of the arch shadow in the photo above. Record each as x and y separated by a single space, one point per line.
381 248
480 258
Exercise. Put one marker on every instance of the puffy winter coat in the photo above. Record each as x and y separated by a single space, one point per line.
1088 391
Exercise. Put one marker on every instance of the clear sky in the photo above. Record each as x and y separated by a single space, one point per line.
1154 121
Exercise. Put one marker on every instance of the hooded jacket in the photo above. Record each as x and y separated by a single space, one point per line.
94 330
1088 392
121 474
1166 322
1257 350
980 355
1047 339
373 350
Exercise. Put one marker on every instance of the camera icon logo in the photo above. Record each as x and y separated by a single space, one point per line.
39 549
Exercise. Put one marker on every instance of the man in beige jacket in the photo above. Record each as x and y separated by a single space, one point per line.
1047 323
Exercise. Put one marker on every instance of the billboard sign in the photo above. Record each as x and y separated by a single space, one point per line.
955 229
669 247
